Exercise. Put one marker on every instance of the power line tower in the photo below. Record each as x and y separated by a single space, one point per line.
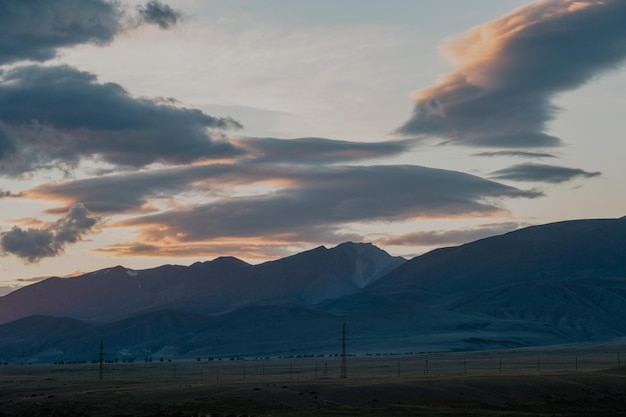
101 370
344 362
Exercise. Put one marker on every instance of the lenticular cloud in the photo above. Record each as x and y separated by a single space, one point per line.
507 71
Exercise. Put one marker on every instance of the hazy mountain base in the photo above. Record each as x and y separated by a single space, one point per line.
265 330
535 315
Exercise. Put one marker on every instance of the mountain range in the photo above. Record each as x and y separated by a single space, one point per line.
558 283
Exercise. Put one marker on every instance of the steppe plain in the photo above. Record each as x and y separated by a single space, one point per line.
565 381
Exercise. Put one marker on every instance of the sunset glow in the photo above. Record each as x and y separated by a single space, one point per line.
206 129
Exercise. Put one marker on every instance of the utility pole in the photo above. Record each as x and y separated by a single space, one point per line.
101 370
344 361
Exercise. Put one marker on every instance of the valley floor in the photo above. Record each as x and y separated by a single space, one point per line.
376 386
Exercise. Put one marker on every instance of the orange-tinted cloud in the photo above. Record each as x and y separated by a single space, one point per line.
325 202
251 250
449 237
507 71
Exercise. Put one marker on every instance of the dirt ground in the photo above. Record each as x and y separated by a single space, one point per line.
75 390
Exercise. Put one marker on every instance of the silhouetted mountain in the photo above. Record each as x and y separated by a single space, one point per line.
557 283
118 292
552 252
223 284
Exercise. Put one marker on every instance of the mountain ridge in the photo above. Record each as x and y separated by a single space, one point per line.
559 283
535 253
211 287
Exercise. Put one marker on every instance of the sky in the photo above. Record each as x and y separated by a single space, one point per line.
144 133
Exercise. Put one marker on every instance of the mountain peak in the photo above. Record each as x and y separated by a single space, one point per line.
370 261
350 244
230 260
205 287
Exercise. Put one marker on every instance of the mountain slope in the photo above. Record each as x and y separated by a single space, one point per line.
255 330
563 282
211 287
115 292
321 273
552 252
557 283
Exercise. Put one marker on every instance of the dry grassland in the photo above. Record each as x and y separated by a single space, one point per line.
381 386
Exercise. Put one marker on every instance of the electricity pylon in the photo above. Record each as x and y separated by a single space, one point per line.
101 370
344 362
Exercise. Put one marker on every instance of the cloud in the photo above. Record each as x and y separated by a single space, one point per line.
266 162
136 192
319 150
9 194
507 72
251 249
10 286
7 145
36 29
6 288
320 203
133 192
55 115
33 244
520 154
450 237
542 173
160 14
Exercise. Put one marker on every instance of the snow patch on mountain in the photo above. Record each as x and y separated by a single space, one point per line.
369 262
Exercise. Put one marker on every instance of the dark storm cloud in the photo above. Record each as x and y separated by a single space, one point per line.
36 29
541 173
32 245
58 115
319 150
520 154
450 237
7 145
160 14
507 72
322 201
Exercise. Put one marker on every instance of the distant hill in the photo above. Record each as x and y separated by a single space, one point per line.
557 283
